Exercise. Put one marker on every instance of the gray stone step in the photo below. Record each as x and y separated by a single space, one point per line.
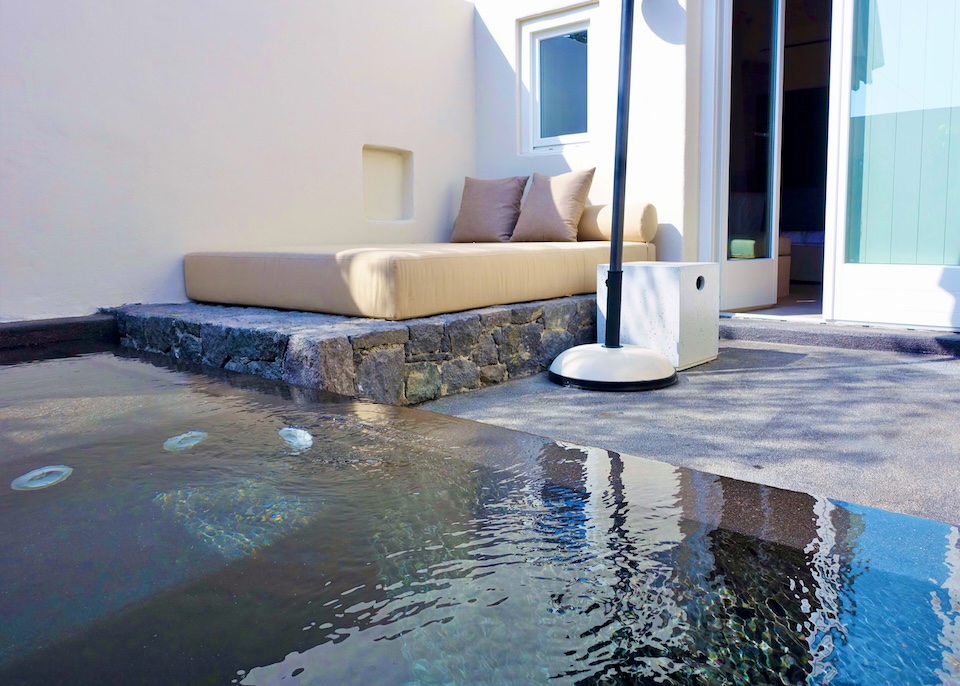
851 337
399 363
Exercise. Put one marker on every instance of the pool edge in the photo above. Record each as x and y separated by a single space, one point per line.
100 328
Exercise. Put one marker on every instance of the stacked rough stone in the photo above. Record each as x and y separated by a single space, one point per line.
400 363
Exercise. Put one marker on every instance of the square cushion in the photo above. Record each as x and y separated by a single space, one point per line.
743 248
488 209
553 207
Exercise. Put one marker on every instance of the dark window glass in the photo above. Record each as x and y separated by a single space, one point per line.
563 84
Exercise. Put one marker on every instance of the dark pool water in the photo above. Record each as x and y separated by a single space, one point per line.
405 547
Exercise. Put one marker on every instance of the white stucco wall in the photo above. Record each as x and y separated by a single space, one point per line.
133 133
659 116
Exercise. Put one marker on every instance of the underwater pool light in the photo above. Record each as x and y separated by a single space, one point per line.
41 478
298 439
184 441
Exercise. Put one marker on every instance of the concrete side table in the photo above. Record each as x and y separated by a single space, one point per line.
670 307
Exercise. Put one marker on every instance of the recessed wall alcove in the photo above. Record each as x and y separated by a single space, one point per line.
387 183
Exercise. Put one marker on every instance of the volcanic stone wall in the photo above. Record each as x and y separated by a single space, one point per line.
399 363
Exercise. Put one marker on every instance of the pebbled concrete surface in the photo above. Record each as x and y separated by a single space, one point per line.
876 428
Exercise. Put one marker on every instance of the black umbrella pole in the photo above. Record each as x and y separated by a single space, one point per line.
614 291
615 272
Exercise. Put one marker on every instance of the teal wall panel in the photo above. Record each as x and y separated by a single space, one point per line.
855 239
935 155
951 237
879 166
906 189
904 164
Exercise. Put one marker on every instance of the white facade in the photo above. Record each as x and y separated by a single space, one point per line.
659 120
133 133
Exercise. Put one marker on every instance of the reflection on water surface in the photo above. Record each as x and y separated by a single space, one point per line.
409 548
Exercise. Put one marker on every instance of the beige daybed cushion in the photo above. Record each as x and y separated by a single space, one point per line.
401 281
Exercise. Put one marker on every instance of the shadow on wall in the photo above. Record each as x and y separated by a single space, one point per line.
667 19
950 282
669 241
451 207
498 101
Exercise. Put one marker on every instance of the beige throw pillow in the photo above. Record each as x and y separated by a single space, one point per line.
553 207
488 209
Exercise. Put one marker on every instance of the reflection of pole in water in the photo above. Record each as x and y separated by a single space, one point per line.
619 542
641 617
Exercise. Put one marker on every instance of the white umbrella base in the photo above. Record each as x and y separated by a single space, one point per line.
595 367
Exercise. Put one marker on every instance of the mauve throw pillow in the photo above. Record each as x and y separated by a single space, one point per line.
553 207
488 210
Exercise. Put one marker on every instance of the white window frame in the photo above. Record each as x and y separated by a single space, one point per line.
532 31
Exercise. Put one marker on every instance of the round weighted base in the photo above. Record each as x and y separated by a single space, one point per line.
595 367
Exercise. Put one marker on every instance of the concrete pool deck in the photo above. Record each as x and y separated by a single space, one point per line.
875 428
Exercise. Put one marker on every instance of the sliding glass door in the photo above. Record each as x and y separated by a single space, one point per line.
896 251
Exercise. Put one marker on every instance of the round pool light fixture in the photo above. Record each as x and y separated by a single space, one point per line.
298 439
41 478
184 441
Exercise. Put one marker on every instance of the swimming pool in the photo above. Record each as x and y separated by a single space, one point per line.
404 547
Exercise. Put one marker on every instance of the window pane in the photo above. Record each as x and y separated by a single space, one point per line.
563 84
903 197
752 76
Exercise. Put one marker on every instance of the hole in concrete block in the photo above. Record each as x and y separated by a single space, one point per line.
387 183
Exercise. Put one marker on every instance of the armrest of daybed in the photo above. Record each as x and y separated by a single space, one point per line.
639 223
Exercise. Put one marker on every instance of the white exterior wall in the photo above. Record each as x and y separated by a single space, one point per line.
659 117
133 133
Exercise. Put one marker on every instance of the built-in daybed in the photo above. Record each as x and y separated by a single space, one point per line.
498 255
417 280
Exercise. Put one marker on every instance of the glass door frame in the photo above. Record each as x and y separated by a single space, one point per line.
838 149
745 283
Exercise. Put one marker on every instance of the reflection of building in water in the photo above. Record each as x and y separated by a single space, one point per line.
827 568
563 493
900 605
752 607
704 579
781 584
947 610
708 576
